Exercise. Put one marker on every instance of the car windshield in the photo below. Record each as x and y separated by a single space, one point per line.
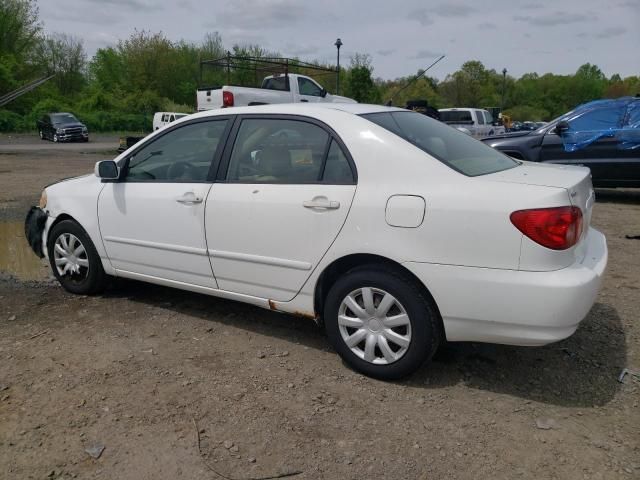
63 118
452 147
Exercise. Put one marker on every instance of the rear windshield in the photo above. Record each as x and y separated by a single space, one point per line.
456 116
276 83
452 147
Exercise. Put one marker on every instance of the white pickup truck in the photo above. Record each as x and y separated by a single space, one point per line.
478 122
290 88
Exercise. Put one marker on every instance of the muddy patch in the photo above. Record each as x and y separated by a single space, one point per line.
16 257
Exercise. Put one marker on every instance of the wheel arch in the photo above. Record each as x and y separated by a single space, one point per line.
344 264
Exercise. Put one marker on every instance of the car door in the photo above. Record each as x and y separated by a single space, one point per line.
284 191
481 131
152 219
609 164
309 91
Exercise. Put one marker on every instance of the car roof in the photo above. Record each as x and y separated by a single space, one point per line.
302 108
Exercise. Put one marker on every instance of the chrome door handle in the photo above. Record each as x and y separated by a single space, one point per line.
189 199
321 203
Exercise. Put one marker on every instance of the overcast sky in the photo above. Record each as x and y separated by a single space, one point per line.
401 36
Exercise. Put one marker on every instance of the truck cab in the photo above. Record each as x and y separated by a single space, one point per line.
283 88
478 121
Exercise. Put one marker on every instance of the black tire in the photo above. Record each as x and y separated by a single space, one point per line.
423 316
88 281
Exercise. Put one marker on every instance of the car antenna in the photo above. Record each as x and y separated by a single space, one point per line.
390 101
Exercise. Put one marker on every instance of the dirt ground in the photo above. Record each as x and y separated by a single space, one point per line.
177 385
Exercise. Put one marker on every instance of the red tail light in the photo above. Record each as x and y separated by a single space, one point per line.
227 99
555 228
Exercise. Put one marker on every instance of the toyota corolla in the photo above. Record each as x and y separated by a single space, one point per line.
394 231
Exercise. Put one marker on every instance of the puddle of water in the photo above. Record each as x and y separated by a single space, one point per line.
16 256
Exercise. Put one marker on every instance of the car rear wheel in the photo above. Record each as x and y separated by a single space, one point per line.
74 259
381 323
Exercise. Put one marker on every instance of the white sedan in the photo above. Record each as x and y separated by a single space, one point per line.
395 231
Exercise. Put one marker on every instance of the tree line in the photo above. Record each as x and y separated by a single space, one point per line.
120 87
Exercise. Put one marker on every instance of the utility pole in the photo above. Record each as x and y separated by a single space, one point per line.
338 44
504 80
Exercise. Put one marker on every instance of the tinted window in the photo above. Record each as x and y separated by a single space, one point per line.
453 148
277 83
456 116
277 151
488 117
479 117
337 169
182 155
307 87
63 118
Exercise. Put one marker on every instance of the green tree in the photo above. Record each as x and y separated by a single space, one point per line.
359 83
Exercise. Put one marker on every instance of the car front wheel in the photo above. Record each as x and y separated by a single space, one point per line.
41 134
381 323
55 137
74 259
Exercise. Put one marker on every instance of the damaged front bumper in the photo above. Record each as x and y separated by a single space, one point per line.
34 226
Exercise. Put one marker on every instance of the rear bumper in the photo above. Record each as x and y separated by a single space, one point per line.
516 307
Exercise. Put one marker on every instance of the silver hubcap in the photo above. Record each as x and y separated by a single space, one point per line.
70 256
374 325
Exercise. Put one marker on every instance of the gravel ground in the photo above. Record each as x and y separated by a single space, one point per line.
179 385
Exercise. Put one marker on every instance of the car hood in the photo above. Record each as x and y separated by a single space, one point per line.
508 135
80 179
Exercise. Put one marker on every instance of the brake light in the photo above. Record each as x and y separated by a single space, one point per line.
227 99
555 228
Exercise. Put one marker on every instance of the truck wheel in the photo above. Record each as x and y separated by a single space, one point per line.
74 259
381 323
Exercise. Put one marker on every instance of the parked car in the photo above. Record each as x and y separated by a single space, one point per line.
611 165
160 119
61 127
290 88
443 238
479 122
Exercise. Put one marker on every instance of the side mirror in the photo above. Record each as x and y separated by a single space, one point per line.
561 127
323 92
107 170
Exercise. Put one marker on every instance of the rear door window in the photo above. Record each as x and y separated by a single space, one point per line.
452 147
480 117
270 150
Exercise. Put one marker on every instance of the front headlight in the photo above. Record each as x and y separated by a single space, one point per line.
59 130
84 130
43 200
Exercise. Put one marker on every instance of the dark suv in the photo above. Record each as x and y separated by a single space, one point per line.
62 127
603 135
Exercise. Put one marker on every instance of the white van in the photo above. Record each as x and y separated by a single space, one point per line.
160 119
479 122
